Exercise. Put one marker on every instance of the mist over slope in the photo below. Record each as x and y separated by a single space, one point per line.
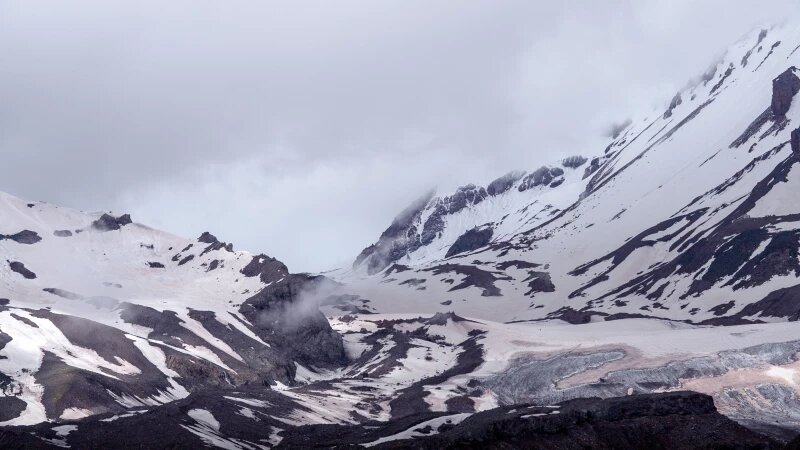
687 214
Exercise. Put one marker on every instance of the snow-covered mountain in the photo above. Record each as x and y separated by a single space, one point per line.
689 213
497 315
118 335
100 314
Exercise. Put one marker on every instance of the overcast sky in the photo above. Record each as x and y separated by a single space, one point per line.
300 128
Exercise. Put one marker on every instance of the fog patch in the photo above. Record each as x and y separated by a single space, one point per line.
296 304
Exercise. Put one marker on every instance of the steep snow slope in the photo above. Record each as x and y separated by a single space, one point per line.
687 214
99 314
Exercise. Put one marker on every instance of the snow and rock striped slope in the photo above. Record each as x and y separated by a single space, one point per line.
117 331
100 315
689 214
411 377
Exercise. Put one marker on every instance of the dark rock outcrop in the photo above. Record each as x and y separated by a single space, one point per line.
107 222
62 233
784 88
207 238
471 240
213 243
431 229
796 142
464 196
11 407
186 260
217 246
542 176
267 268
20 268
27 237
539 281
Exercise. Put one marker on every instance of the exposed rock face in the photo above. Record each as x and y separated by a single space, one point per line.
471 240
432 227
424 222
62 233
267 268
465 195
504 183
784 88
796 142
542 176
107 222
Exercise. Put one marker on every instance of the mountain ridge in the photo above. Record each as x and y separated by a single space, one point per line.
574 243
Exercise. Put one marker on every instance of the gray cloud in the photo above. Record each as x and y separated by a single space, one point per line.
300 128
